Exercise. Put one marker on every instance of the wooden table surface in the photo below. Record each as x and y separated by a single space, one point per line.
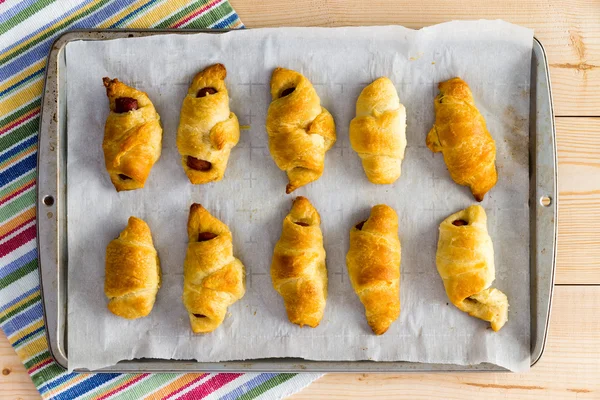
570 33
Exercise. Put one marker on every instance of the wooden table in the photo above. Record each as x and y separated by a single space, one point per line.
570 32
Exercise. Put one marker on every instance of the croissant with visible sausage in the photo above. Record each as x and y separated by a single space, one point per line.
213 279
208 130
298 268
132 276
461 135
465 261
132 136
374 266
378 133
300 130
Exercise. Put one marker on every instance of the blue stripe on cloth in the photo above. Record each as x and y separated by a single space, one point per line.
20 168
60 380
49 24
248 386
137 10
226 22
18 299
85 386
22 319
29 335
11 12
41 50
24 80
18 148
18 263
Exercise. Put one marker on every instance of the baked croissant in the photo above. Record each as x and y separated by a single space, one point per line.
132 275
374 267
378 133
132 136
207 129
298 268
213 279
300 130
460 134
465 261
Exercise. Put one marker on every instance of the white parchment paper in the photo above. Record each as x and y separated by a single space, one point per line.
494 57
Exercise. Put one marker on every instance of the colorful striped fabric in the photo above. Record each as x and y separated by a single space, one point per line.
27 30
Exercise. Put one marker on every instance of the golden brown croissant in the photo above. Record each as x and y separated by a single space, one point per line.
132 136
374 267
132 271
465 261
460 134
300 130
212 278
298 269
378 133
207 129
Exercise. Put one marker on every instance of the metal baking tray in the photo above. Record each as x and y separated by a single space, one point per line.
52 217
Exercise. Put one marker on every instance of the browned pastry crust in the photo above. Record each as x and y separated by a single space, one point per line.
208 130
465 261
374 266
132 136
132 277
298 268
461 135
300 130
213 279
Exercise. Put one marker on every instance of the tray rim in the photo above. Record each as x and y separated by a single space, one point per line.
50 123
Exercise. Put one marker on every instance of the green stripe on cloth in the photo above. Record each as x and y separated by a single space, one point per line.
268 385
24 14
35 360
15 185
220 12
22 307
20 133
19 113
54 30
18 274
144 388
25 200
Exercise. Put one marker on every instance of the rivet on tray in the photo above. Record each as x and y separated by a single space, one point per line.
48 200
545 201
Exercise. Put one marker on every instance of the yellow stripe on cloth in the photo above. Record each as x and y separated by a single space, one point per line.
109 22
23 96
26 331
25 300
34 347
23 74
74 16
158 13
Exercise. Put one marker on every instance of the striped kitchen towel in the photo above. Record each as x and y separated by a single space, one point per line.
27 30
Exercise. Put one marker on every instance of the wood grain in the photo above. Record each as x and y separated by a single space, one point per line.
14 380
578 142
569 368
569 31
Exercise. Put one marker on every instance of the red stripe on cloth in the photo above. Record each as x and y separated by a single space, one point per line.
196 13
43 364
17 228
126 385
18 241
20 120
18 192
185 386
209 386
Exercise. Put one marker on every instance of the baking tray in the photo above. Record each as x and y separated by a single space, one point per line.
52 226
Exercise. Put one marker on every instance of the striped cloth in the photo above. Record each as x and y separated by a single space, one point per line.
27 30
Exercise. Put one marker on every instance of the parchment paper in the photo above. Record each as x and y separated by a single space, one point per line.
494 57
